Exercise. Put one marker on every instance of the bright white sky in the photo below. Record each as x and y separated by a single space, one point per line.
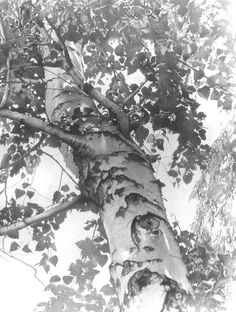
19 289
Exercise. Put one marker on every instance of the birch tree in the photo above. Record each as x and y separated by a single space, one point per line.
65 67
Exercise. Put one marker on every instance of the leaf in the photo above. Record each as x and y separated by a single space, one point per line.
55 279
146 91
13 234
54 260
198 74
90 224
67 279
57 196
30 194
141 133
26 249
98 239
46 227
160 144
25 185
65 188
107 290
215 95
172 173
29 169
40 246
19 193
119 50
178 49
204 92
187 178
132 69
91 274
133 87
154 158
175 224
151 138
14 246
88 248
102 260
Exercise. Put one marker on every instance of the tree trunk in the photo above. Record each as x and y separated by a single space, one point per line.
146 265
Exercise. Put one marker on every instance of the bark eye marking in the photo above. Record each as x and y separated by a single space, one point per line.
138 281
144 228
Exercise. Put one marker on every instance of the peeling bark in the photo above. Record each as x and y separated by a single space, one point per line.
146 265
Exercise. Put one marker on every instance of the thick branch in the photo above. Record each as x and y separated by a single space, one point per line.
7 87
40 125
42 216
3 33
121 116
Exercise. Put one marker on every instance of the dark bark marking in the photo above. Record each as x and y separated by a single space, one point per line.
121 212
138 281
176 298
135 157
131 265
144 226
148 248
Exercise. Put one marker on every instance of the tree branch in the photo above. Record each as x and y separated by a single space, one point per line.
43 216
7 87
132 95
121 116
3 33
39 125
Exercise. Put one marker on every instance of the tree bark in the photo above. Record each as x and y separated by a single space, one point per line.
146 265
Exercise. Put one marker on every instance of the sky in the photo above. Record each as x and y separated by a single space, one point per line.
20 290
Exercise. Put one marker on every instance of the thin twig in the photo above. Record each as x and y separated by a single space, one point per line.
62 168
59 185
94 230
205 76
39 125
132 95
26 264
